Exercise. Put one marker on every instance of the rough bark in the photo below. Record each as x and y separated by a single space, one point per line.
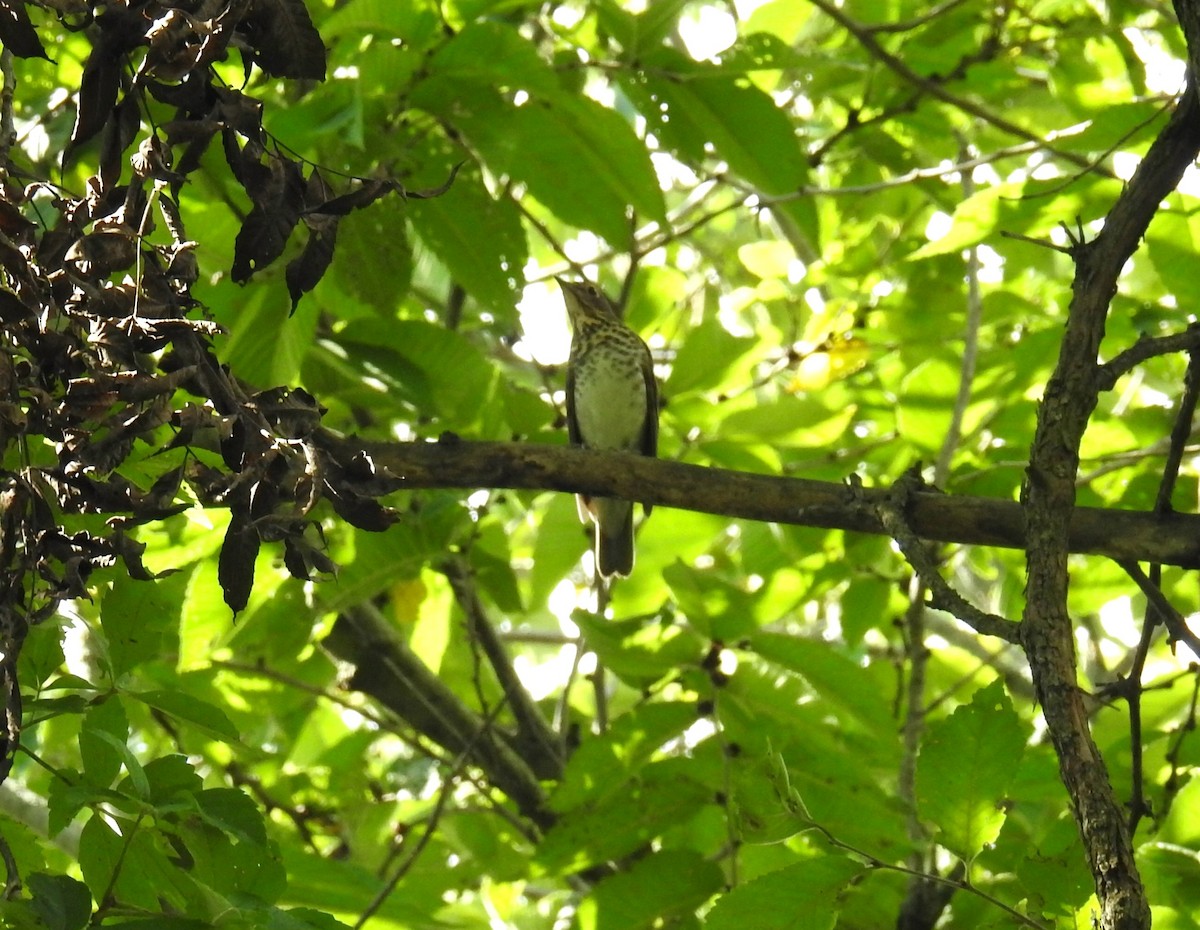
1046 631
1124 535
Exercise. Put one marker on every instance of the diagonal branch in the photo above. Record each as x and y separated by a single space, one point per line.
536 740
892 514
387 670
1176 624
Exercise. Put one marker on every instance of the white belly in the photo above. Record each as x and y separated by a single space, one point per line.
610 407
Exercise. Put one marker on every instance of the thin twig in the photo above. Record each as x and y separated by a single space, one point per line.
12 881
1145 348
891 513
1175 623
8 89
1180 432
1033 240
444 795
871 45
874 862
908 25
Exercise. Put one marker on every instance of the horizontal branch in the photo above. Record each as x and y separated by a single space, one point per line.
1124 535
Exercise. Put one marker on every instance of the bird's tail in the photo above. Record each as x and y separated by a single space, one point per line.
614 536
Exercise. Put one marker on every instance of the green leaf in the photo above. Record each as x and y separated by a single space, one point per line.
829 673
61 902
379 283
417 22
126 865
718 609
692 106
348 888
233 812
638 653
268 343
137 617
647 808
493 53
580 159
66 798
601 766
926 403
205 717
101 758
584 163
656 888
477 237
1030 208
204 621
803 896
1054 867
805 421
705 357
966 764
41 654
303 918
172 778
561 541
231 869
865 607
135 776
440 369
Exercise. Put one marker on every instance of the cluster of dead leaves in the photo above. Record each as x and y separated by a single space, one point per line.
105 352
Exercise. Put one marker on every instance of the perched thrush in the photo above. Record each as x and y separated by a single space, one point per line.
612 403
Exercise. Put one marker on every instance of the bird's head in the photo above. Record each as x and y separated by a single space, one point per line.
587 305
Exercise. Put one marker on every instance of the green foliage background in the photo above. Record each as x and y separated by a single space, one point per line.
766 208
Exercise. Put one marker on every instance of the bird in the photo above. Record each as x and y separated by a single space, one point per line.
612 404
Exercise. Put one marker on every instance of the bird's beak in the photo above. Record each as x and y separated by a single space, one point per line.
571 298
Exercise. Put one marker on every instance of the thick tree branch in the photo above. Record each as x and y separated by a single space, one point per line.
386 670
376 468
1070 399
539 745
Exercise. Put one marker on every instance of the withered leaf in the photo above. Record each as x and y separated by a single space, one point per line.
99 254
305 271
120 30
119 133
265 231
429 193
283 39
245 161
362 196
363 512
300 558
97 98
235 568
293 560
12 221
17 33
131 551
239 112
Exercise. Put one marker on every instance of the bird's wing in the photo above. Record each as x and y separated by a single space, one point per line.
649 443
572 420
